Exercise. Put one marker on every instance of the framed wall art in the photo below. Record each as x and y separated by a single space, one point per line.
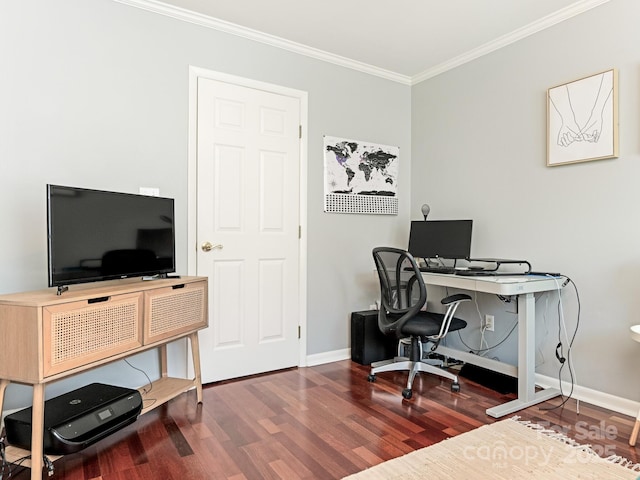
360 177
582 119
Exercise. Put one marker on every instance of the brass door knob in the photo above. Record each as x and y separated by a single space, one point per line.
208 246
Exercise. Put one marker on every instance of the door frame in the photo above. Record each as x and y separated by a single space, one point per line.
192 241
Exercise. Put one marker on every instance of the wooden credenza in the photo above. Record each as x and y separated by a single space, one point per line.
46 337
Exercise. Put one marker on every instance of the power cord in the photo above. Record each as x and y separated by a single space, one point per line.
8 469
478 351
560 353
148 402
3 456
144 390
48 464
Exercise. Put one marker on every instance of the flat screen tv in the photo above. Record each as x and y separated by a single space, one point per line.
96 235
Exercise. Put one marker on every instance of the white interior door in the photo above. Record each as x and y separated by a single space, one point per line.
248 217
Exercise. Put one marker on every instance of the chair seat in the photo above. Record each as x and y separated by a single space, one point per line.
426 324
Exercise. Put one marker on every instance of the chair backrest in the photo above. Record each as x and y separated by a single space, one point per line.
402 290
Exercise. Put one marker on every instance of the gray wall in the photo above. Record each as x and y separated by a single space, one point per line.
94 93
479 151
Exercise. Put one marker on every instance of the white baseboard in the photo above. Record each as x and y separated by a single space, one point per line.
328 357
594 397
620 405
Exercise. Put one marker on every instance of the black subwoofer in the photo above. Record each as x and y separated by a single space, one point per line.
368 343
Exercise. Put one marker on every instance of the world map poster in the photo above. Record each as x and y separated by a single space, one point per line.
360 177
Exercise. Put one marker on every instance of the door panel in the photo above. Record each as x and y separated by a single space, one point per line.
248 167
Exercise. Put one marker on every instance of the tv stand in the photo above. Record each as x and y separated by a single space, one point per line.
45 337
61 289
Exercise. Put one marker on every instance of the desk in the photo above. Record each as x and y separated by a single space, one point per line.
524 287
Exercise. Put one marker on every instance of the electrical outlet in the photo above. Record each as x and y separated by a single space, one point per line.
488 322
151 191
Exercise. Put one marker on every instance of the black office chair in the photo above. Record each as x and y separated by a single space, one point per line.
403 295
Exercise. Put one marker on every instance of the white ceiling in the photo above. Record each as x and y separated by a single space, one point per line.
406 40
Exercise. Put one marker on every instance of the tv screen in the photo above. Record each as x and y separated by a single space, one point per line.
97 235
440 238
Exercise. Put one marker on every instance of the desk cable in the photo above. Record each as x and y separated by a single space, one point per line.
4 466
10 469
143 390
568 359
478 351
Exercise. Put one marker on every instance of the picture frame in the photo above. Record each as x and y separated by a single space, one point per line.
582 119
360 176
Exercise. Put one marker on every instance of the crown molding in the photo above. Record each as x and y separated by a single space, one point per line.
248 33
178 13
535 27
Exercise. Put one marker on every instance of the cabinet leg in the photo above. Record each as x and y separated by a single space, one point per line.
3 387
37 432
195 353
163 361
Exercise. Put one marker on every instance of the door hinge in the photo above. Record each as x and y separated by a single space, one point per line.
299 232
299 331
299 131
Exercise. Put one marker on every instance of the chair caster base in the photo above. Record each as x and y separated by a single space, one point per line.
407 393
455 387
371 377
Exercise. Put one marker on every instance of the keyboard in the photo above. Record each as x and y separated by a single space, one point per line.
448 270
475 273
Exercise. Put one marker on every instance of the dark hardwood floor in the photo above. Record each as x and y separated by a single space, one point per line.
322 422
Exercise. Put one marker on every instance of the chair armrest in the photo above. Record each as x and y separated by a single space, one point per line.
458 297
452 302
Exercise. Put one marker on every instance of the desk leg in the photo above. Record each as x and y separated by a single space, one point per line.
527 395
195 355
37 432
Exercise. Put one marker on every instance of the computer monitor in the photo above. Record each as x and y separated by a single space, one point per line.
440 239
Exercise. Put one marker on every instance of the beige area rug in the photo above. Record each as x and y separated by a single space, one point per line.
508 449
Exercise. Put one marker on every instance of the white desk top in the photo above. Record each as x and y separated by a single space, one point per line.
496 284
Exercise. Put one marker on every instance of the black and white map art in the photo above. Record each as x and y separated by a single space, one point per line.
360 177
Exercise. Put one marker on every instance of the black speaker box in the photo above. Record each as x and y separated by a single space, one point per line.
368 343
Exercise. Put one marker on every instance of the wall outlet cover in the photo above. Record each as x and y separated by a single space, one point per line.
151 191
